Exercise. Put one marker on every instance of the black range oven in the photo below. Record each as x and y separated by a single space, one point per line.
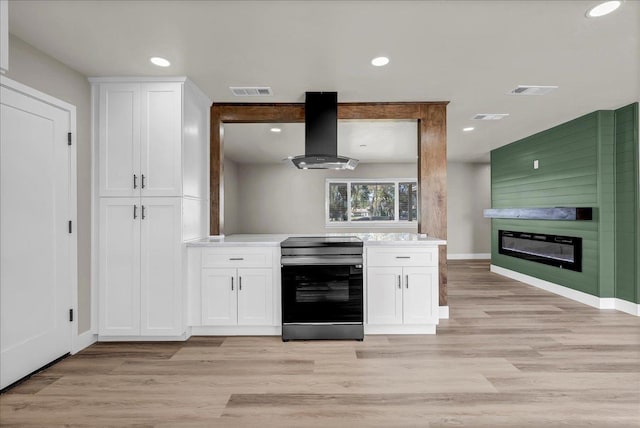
322 288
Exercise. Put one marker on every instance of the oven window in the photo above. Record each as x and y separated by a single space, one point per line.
321 293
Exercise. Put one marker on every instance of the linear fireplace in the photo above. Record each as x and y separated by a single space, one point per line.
564 252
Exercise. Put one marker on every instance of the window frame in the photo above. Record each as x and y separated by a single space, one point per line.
374 223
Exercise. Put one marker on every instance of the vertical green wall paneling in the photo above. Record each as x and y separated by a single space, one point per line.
591 161
626 203
606 204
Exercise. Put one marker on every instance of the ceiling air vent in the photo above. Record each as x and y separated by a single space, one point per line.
490 116
531 90
251 91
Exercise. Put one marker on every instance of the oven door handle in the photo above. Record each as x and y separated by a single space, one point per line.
320 261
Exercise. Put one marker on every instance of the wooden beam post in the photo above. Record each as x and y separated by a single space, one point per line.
432 182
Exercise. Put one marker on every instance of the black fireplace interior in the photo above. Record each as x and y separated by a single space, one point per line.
564 252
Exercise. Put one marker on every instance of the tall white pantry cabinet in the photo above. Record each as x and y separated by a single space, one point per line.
151 172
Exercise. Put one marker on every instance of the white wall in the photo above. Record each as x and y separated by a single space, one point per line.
282 199
468 193
34 68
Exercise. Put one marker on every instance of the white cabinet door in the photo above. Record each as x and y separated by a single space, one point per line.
119 275
420 293
219 297
255 304
160 272
161 137
384 295
119 139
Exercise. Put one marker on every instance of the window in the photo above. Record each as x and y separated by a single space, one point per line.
362 202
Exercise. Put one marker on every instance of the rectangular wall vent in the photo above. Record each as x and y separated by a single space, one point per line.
490 116
251 91
531 90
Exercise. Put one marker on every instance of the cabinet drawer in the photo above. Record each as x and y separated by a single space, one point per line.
402 256
237 257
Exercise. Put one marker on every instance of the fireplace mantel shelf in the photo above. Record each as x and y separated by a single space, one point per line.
556 213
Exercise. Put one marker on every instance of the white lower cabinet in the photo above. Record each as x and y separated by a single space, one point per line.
400 295
241 296
140 267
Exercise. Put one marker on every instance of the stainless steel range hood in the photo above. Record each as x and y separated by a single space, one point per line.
321 134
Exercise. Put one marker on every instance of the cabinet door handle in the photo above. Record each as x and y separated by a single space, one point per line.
231 283
143 216
135 212
240 283
406 281
236 258
399 282
142 178
403 257
135 181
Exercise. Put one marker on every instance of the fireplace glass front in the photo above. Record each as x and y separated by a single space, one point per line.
564 252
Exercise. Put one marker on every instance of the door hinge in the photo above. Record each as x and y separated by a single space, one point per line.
70 315
70 227
69 138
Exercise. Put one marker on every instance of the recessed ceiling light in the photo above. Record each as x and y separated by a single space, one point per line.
159 61
603 9
380 61
468 128
276 129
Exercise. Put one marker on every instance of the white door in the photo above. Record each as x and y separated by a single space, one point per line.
37 273
219 297
161 137
160 275
119 139
255 305
384 295
119 274
420 295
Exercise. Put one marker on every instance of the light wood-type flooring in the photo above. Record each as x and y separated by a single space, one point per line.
510 356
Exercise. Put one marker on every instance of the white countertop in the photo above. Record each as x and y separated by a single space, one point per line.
274 240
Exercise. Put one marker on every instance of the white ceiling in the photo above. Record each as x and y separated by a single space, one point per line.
470 53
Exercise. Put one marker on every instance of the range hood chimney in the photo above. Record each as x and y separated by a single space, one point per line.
321 134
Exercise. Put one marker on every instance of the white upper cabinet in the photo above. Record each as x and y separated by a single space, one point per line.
152 137
160 137
119 139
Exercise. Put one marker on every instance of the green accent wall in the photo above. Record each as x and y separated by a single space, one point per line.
578 167
627 286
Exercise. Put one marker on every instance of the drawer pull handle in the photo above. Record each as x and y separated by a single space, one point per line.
403 257
236 258
240 283
399 282
406 281
231 283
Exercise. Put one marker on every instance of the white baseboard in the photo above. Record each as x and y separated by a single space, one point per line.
240 330
569 293
627 307
83 340
180 338
443 312
469 256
